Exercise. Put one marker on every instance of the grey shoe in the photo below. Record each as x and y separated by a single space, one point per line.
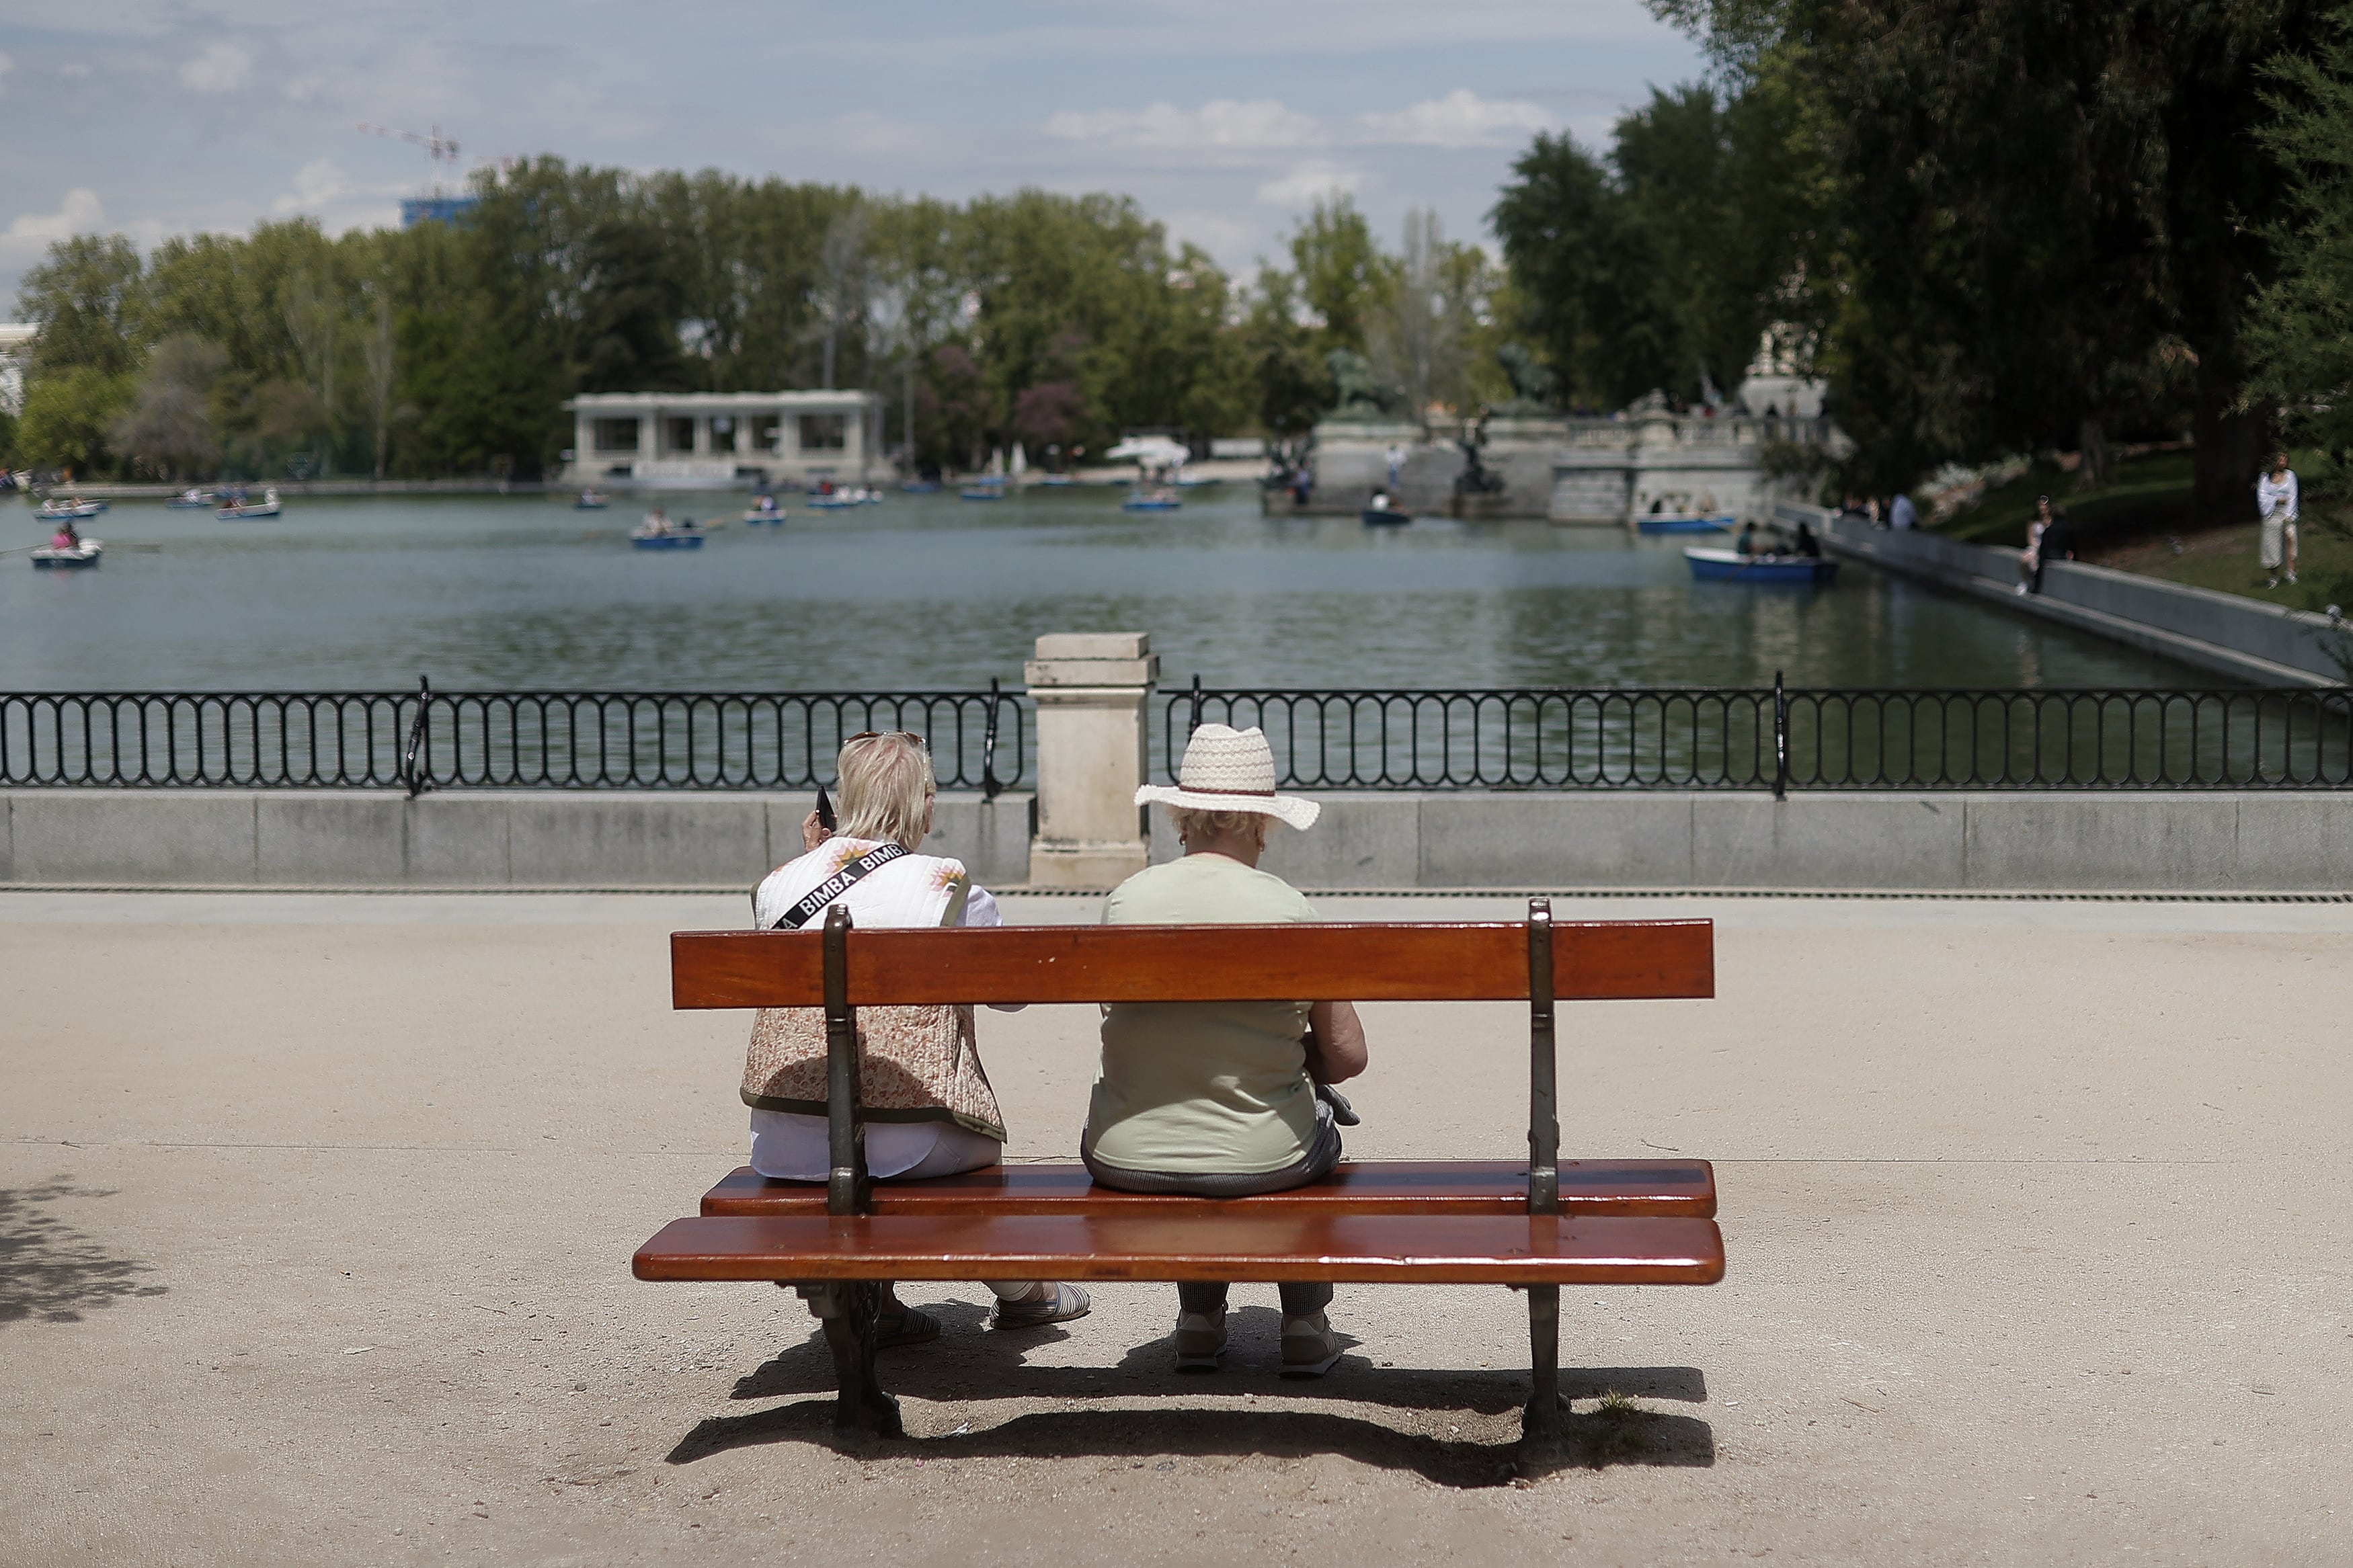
1309 1346
1056 1304
1200 1339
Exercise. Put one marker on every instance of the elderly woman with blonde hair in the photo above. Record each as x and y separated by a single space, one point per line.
927 1104
1222 1099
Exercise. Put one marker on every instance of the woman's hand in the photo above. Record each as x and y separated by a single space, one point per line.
813 832
1336 1051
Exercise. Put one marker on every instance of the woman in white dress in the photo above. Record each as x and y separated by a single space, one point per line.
926 1102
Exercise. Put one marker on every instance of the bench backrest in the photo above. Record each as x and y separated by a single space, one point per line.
1593 961
842 968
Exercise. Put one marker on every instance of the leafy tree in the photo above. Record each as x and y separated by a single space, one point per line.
2036 216
170 424
1586 273
1290 386
88 298
2300 328
69 414
1341 274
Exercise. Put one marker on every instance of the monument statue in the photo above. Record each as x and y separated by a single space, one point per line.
1361 392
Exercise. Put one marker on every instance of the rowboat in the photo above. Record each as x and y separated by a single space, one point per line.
766 511
1383 515
191 501
1685 523
590 500
1730 566
236 511
666 536
63 557
1161 499
77 509
982 492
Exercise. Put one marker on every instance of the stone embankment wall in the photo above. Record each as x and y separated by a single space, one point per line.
2151 841
2243 639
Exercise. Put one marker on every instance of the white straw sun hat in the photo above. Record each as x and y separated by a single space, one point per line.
1230 770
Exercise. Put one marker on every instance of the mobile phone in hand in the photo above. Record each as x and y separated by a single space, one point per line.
825 810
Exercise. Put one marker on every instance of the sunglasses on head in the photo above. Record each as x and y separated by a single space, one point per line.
886 735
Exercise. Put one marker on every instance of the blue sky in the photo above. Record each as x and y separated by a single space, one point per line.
1225 118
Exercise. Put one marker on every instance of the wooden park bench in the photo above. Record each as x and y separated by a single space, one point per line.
1533 1225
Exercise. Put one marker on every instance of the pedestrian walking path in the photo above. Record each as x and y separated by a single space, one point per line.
316 1210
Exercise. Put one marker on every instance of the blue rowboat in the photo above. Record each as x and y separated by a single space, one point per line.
1730 566
1151 503
1683 522
982 492
921 486
1384 515
667 541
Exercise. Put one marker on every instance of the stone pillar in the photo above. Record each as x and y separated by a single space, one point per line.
1092 691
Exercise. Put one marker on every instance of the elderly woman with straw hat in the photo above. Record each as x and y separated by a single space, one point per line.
1221 1099
929 1106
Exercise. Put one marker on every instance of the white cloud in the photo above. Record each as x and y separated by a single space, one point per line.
316 182
1460 119
7 62
1308 182
79 212
224 68
30 234
1222 124
75 69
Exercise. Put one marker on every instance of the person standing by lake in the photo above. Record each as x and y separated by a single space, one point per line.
1396 466
1901 514
2275 501
2029 560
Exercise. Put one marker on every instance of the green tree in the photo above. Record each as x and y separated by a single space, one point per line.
1343 276
170 427
89 298
69 414
2037 219
1587 273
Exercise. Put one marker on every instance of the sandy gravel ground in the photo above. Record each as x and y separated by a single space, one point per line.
315 1217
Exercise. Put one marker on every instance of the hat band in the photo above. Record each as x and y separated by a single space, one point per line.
1200 789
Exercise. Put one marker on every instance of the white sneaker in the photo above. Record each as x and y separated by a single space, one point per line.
1200 1339
2020 590
1309 1346
2291 577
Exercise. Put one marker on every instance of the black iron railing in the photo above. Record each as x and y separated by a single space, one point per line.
1765 738
1784 738
424 739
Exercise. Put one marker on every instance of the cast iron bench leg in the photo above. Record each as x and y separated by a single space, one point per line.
847 1309
1541 1425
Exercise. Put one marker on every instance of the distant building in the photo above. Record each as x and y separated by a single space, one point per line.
451 210
719 440
15 355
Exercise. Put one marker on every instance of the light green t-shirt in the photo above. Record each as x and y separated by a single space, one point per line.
1197 1087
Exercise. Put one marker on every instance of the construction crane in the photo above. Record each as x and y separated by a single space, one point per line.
436 146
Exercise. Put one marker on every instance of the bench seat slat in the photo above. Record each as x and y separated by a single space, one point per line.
1526 1249
1685 1187
1308 961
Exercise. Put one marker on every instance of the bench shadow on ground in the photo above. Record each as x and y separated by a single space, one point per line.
971 1363
51 1272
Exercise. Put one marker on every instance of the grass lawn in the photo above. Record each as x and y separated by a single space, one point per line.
2224 559
2144 524
2151 495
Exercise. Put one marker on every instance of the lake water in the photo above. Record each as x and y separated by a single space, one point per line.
930 592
